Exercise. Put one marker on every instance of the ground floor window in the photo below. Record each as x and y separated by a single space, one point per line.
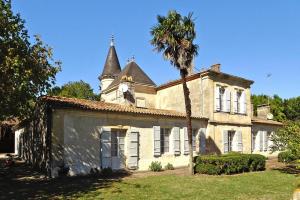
233 141
117 143
194 135
230 140
165 140
261 141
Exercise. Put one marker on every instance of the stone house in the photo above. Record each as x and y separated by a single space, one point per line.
137 122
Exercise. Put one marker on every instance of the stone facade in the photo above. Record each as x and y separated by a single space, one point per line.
76 138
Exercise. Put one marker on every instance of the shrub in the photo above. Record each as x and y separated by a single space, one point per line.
287 157
155 166
169 166
207 169
257 162
107 171
230 163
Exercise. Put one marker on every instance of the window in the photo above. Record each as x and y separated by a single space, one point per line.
240 102
194 139
223 99
164 140
114 144
117 143
140 102
261 141
230 140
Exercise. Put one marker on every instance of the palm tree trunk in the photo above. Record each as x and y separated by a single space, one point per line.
188 110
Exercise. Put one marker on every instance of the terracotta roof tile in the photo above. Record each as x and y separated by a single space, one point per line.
110 107
265 121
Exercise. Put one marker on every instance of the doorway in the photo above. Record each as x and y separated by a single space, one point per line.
112 149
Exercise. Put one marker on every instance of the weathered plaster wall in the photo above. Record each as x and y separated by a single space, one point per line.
215 137
232 85
265 127
172 98
79 144
149 98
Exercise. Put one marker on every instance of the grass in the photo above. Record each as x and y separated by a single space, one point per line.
269 185
21 182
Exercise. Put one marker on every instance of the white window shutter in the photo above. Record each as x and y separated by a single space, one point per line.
202 142
225 141
252 141
265 140
239 141
176 134
261 140
235 104
186 141
228 100
133 149
243 103
270 142
105 148
156 134
217 98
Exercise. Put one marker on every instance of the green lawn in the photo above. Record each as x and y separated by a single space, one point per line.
21 182
269 185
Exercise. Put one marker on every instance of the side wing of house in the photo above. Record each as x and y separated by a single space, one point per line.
85 140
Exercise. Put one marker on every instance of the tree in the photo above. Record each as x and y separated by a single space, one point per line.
287 138
77 89
26 70
292 108
276 105
174 36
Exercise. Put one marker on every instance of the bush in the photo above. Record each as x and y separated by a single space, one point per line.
106 171
169 166
155 166
287 157
229 163
207 169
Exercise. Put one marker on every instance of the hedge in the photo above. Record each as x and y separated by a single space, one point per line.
287 157
231 163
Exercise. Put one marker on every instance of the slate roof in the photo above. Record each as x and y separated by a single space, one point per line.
64 102
112 66
137 74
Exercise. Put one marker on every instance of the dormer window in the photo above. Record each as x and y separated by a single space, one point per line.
140 102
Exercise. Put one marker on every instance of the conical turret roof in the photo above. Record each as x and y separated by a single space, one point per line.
112 66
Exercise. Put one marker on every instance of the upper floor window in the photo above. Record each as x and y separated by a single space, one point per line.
240 102
222 99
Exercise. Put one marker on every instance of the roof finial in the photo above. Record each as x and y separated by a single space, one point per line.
112 40
132 58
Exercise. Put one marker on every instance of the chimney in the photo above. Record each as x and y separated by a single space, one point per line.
216 67
263 111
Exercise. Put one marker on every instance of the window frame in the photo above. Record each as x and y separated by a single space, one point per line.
165 133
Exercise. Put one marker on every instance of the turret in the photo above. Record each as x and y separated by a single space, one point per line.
111 68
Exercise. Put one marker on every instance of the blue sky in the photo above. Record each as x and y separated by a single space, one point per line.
250 38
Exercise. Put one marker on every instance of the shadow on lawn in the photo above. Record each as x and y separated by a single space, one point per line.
289 169
22 182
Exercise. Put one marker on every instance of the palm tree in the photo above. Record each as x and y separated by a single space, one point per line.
174 35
